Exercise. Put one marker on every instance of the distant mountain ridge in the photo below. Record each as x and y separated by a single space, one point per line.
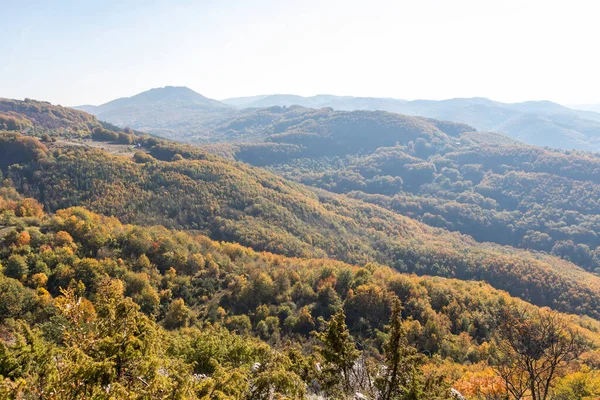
182 114
587 107
172 94
160 110
542 123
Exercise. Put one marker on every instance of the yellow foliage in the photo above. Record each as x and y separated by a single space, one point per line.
483 383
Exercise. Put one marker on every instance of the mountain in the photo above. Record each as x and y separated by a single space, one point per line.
180 96
179 186
44 116
182 114
486 185
166 111
583 107
540 123
330 130
231 282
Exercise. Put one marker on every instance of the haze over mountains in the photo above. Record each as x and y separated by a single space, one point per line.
167 111
368 223
182 114
390 194
587 107
541 123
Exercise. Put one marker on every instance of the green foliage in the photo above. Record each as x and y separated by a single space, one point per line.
16 267
339 355
178 315
230 313
584 384
45 116
402 378
13 122
233 202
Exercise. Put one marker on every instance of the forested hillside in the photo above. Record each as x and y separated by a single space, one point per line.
170 243
328 130
541 123
231 201
210 318
215 320
481 184
20 115
37 118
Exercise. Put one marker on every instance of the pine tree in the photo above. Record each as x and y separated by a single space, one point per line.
339 353
402 378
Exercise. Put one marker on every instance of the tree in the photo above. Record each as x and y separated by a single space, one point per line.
339 353
532 346
125 138
111 350
141 157
29 208
178 315
16 266
101 134
402 376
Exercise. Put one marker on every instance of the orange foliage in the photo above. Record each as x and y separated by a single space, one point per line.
481 384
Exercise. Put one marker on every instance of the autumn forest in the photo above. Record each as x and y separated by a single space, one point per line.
298 253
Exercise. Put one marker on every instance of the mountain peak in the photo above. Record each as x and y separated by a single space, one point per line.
182 93
166 100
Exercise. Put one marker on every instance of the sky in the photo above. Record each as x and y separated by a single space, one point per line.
90 52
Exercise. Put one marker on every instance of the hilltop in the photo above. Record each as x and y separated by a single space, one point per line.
169 111
486 185
541 123
21 115
326 130
181 114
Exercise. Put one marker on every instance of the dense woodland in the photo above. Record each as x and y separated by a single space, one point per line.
216 320
180 273
484 185
43 115
234 202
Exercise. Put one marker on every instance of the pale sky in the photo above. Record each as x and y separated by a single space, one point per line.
90 52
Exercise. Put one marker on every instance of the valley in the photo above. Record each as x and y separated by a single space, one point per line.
409 200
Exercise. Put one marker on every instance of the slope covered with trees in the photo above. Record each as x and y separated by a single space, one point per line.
540 123
481 184
319 130
43 115
512 195
215 320
234 202
52 122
